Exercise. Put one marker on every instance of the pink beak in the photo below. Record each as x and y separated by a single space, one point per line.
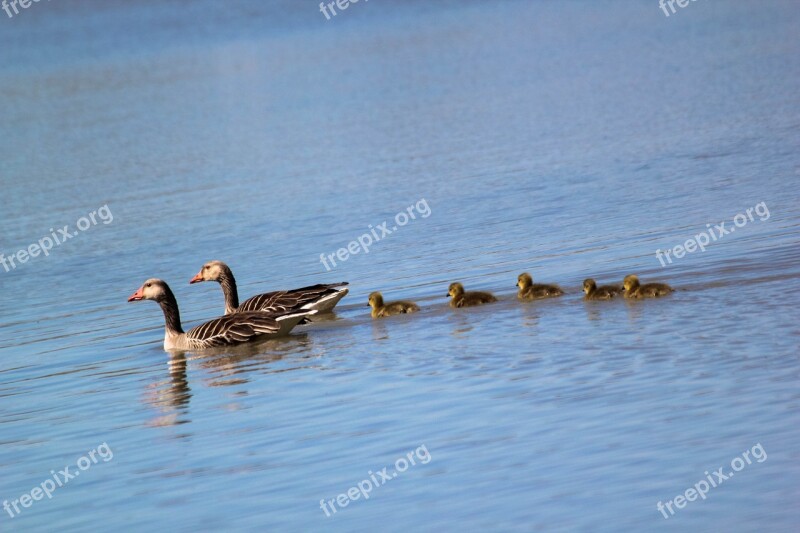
136 296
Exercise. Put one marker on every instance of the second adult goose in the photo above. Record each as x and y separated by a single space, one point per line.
224 331
320 297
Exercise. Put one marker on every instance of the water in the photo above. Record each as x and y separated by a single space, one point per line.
566 139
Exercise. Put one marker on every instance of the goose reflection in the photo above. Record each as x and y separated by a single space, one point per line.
171 396
236 365
232 366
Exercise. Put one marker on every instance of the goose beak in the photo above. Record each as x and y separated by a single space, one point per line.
136 296
197 278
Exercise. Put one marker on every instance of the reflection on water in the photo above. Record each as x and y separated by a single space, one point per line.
171 397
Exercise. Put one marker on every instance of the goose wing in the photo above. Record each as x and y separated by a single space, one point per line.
232 329
284 301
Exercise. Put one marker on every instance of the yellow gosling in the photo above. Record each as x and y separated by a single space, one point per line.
604 292
467 299
528 290
634 290
380 310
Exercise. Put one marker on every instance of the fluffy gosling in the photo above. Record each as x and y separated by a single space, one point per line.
467 299
528 290
380 310
634 290
604 292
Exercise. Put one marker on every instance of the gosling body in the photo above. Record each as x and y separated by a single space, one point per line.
381 310
634 290
528 290
604 292
460 298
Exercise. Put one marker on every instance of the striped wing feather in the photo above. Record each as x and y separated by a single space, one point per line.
232 329
283 301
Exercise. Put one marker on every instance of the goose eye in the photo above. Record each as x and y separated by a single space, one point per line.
148 284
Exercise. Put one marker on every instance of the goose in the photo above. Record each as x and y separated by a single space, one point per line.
528 290
320 297
380 310
634 290
467 299
224 331
604 292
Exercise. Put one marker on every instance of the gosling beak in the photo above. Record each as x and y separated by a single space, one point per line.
136 296
197 278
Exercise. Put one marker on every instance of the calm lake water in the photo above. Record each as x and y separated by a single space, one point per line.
567 139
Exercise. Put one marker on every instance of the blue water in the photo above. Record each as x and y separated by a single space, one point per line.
567 139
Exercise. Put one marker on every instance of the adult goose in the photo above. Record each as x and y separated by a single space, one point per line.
224 331
320 297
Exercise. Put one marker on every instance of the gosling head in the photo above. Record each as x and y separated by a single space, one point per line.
375 300
211 271
455 290
589 285
152 289
524 281
630 282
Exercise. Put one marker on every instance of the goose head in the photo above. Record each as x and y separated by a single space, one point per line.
152 289
375 300
455 290
589 285
524 280
211 271
630 282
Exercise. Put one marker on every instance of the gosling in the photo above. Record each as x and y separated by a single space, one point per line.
604 292
634 290
380 310
528 290
467 299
